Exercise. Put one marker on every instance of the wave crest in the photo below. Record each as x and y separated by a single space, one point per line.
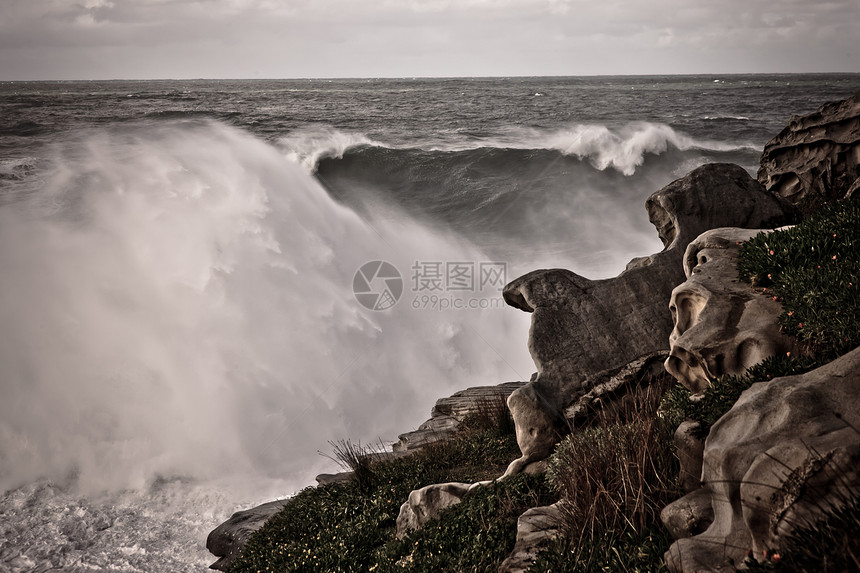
620 148
308 145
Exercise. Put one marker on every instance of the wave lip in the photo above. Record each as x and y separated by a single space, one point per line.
620 148
308 145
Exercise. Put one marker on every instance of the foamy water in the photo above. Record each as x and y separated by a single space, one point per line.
177 303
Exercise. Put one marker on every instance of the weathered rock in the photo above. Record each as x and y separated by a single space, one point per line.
787 451
428 502
227 540
690 451
536 528
342 477
640 371
816 158
688 516
721 325
581 328
450 412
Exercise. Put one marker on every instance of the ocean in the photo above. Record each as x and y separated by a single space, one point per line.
203 283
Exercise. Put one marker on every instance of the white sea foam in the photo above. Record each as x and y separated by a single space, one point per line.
177 301
307 145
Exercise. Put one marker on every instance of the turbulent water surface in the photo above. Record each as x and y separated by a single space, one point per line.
180 335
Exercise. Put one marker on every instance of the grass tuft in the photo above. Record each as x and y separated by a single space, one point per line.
614 478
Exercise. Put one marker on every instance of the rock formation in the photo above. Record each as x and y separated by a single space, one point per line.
226 540
536 528
721 325
448 413
583 329
787 451
817 157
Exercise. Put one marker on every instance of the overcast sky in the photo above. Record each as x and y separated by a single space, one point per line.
97 39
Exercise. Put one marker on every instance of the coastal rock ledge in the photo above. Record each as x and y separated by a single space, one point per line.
787 452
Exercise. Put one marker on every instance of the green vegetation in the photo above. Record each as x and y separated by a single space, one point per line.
474 536
350 526
813 269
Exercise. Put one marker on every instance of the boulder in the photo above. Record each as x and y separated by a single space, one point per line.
816 158
688 516
721 325
428 502
581 328
787 452
227 540
536 528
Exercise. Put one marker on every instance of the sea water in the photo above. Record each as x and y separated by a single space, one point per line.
182 264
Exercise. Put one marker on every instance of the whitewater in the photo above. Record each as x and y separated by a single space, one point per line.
180 335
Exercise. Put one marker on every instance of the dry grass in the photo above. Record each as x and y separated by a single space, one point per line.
618 473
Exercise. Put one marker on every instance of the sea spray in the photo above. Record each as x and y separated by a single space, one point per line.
178 303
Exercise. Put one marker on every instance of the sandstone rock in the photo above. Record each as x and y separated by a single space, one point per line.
788 450
722 326
227 540
581 328
428 502
450 412
688 516
817 157
536 528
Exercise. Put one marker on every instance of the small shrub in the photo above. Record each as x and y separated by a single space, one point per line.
356 458
639 552
614 478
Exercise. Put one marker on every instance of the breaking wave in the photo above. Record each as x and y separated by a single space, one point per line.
177 308
622 149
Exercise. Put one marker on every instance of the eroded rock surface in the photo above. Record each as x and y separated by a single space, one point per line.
450 412
721 325
536 528
688 516
787 451
816 158
582 328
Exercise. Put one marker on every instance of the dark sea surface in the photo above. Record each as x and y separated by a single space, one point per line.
178 261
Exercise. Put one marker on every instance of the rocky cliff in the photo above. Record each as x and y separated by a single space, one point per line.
787 451
816 158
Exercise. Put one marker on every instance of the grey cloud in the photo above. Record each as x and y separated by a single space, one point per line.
286 38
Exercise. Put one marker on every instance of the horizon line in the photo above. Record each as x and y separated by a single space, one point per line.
489 77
